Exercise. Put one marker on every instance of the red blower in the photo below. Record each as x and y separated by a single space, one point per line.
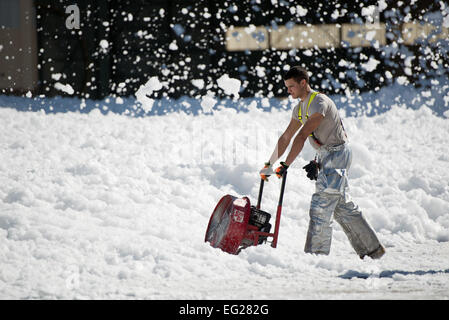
235 224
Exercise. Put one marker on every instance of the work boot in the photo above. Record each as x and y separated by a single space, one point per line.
378 253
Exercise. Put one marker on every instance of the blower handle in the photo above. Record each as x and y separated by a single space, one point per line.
259 199
278 212
281 196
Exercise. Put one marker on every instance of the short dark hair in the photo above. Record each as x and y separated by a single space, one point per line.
298 73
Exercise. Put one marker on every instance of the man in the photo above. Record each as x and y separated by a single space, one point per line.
317 117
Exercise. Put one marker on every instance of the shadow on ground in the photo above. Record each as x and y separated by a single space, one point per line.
388 273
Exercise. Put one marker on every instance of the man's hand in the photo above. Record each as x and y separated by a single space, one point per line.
281 169
266 171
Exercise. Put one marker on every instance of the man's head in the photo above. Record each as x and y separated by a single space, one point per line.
297 81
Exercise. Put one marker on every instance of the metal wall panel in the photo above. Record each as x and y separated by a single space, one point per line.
18 46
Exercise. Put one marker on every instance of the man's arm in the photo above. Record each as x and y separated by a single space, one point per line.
284 140
312 123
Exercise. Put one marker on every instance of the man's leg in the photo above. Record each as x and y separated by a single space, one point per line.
332 195
319 234
322 206
362 237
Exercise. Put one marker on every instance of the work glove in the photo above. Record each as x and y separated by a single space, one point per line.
312 169
281 169
266 171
